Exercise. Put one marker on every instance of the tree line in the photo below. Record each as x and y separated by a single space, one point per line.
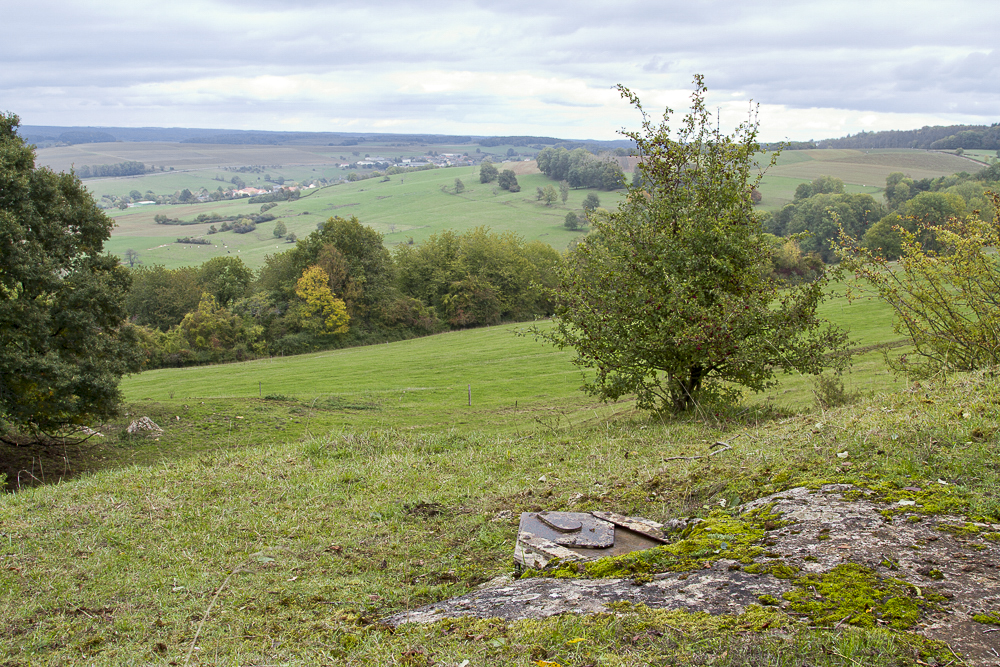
580 168
821 209
938 137
223 311
127 168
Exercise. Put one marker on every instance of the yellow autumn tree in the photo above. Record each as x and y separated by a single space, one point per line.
314 289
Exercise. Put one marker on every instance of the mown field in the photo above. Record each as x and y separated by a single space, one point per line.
861 171
291 503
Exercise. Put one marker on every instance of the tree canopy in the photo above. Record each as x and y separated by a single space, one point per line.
672 298
487 172
947 299
580 168
64 343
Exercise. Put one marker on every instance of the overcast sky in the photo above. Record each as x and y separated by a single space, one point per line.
817 69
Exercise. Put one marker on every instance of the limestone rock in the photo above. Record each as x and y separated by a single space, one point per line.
830 526
143 425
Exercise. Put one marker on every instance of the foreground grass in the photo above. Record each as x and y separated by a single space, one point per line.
266 552
291 503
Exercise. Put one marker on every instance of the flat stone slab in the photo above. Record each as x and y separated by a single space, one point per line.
564 522
570 529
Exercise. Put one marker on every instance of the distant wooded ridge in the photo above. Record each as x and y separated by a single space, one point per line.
53 134
938 137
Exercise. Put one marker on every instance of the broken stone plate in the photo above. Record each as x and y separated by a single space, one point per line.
581 536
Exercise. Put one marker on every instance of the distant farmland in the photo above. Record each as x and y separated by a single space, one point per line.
407 207
861 171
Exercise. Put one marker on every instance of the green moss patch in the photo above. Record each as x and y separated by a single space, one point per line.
989 618
961 530
928 497
856 595
777 570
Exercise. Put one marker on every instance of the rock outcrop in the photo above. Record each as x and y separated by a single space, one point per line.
949 568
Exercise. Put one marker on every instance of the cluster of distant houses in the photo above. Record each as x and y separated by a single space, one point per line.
377 162
440 160
253 192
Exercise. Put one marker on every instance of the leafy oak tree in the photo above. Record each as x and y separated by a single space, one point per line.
487 172
64 342
672 297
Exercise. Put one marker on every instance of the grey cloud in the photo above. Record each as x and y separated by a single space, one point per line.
863 56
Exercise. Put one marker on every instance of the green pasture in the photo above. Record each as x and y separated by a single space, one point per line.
778 191
407 206
980 155
861 171
515 381
422 383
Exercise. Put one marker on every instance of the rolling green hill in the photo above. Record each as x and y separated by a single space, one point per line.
861 170
407 206
411 206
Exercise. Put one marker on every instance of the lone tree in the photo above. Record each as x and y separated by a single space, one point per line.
672 298
549 195
487 172
64 343
508 181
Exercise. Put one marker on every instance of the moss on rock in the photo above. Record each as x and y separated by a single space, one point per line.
854 594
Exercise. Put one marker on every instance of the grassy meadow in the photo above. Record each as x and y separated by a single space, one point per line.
290 503
407 206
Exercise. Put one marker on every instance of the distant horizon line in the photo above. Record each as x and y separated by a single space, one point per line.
199 135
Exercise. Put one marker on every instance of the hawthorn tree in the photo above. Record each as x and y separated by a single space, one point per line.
64 341
671 298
